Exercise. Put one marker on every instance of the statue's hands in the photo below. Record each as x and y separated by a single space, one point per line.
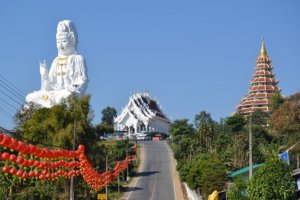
43 68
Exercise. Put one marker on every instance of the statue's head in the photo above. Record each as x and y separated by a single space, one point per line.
66 38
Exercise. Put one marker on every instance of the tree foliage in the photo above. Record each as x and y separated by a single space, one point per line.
206 173
181 127
103 128
272 181
286 119
55 126
108 115
226 144
276 101
205 130
236 122
238 190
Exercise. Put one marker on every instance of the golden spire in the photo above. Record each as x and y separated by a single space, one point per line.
263 51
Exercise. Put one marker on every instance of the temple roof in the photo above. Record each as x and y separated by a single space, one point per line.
263 51
263 85
143 108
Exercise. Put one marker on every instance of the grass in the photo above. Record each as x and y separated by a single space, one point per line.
124 185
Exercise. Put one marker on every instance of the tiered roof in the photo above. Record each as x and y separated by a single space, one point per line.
263 86
143 108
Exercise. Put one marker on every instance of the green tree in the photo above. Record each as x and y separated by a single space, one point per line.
276 101
222 145
202 118
259 118
272 181
260 134
236 122
25 113
103 128
205 130
182 139
108 115
286 119
54 128
238 190
206 173
183 149
239 145
181 127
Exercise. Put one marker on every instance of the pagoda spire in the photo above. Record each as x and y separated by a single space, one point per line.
262 86
263 51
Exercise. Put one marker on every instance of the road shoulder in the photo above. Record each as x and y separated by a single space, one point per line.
178 191
134 180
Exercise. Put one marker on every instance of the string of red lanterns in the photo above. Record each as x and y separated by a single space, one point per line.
45 164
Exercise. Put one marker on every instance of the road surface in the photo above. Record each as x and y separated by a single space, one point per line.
155 179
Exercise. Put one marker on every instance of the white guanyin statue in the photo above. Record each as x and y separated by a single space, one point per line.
68 73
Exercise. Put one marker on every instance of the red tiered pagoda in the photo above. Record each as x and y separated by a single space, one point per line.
263 86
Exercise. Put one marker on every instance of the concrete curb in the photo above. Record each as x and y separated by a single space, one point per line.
176 181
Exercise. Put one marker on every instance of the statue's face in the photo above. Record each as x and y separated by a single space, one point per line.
64 45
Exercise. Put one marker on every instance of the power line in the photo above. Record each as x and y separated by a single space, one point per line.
17 90
9 104
10 97
11 91
5 113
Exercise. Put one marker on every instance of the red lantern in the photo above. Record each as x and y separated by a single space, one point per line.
5 169
25 163
20 160
5 141
1 136
5 156
36 173
25 175
25 150
81 149
19 173
41 177
48 176
13 143
13 171
38 152
36 163
12 157
31 174
20 146
31 162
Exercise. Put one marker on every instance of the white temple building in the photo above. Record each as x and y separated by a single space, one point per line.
142 114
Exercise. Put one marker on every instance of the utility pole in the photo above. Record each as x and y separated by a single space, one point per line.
250 147
119 183
72 178
127 177
118 176
106 188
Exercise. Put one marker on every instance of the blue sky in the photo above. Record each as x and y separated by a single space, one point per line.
190 55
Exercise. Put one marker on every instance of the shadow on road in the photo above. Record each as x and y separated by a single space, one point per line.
133 188
148 173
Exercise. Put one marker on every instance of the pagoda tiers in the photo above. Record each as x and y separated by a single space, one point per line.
142 114
263 86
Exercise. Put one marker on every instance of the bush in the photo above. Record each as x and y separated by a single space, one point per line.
272 181
238 190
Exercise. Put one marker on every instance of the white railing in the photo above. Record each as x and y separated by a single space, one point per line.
192 195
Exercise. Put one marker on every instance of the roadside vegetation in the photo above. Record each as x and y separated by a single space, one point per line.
207 150
55 128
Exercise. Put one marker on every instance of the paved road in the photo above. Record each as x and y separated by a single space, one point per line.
155 181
